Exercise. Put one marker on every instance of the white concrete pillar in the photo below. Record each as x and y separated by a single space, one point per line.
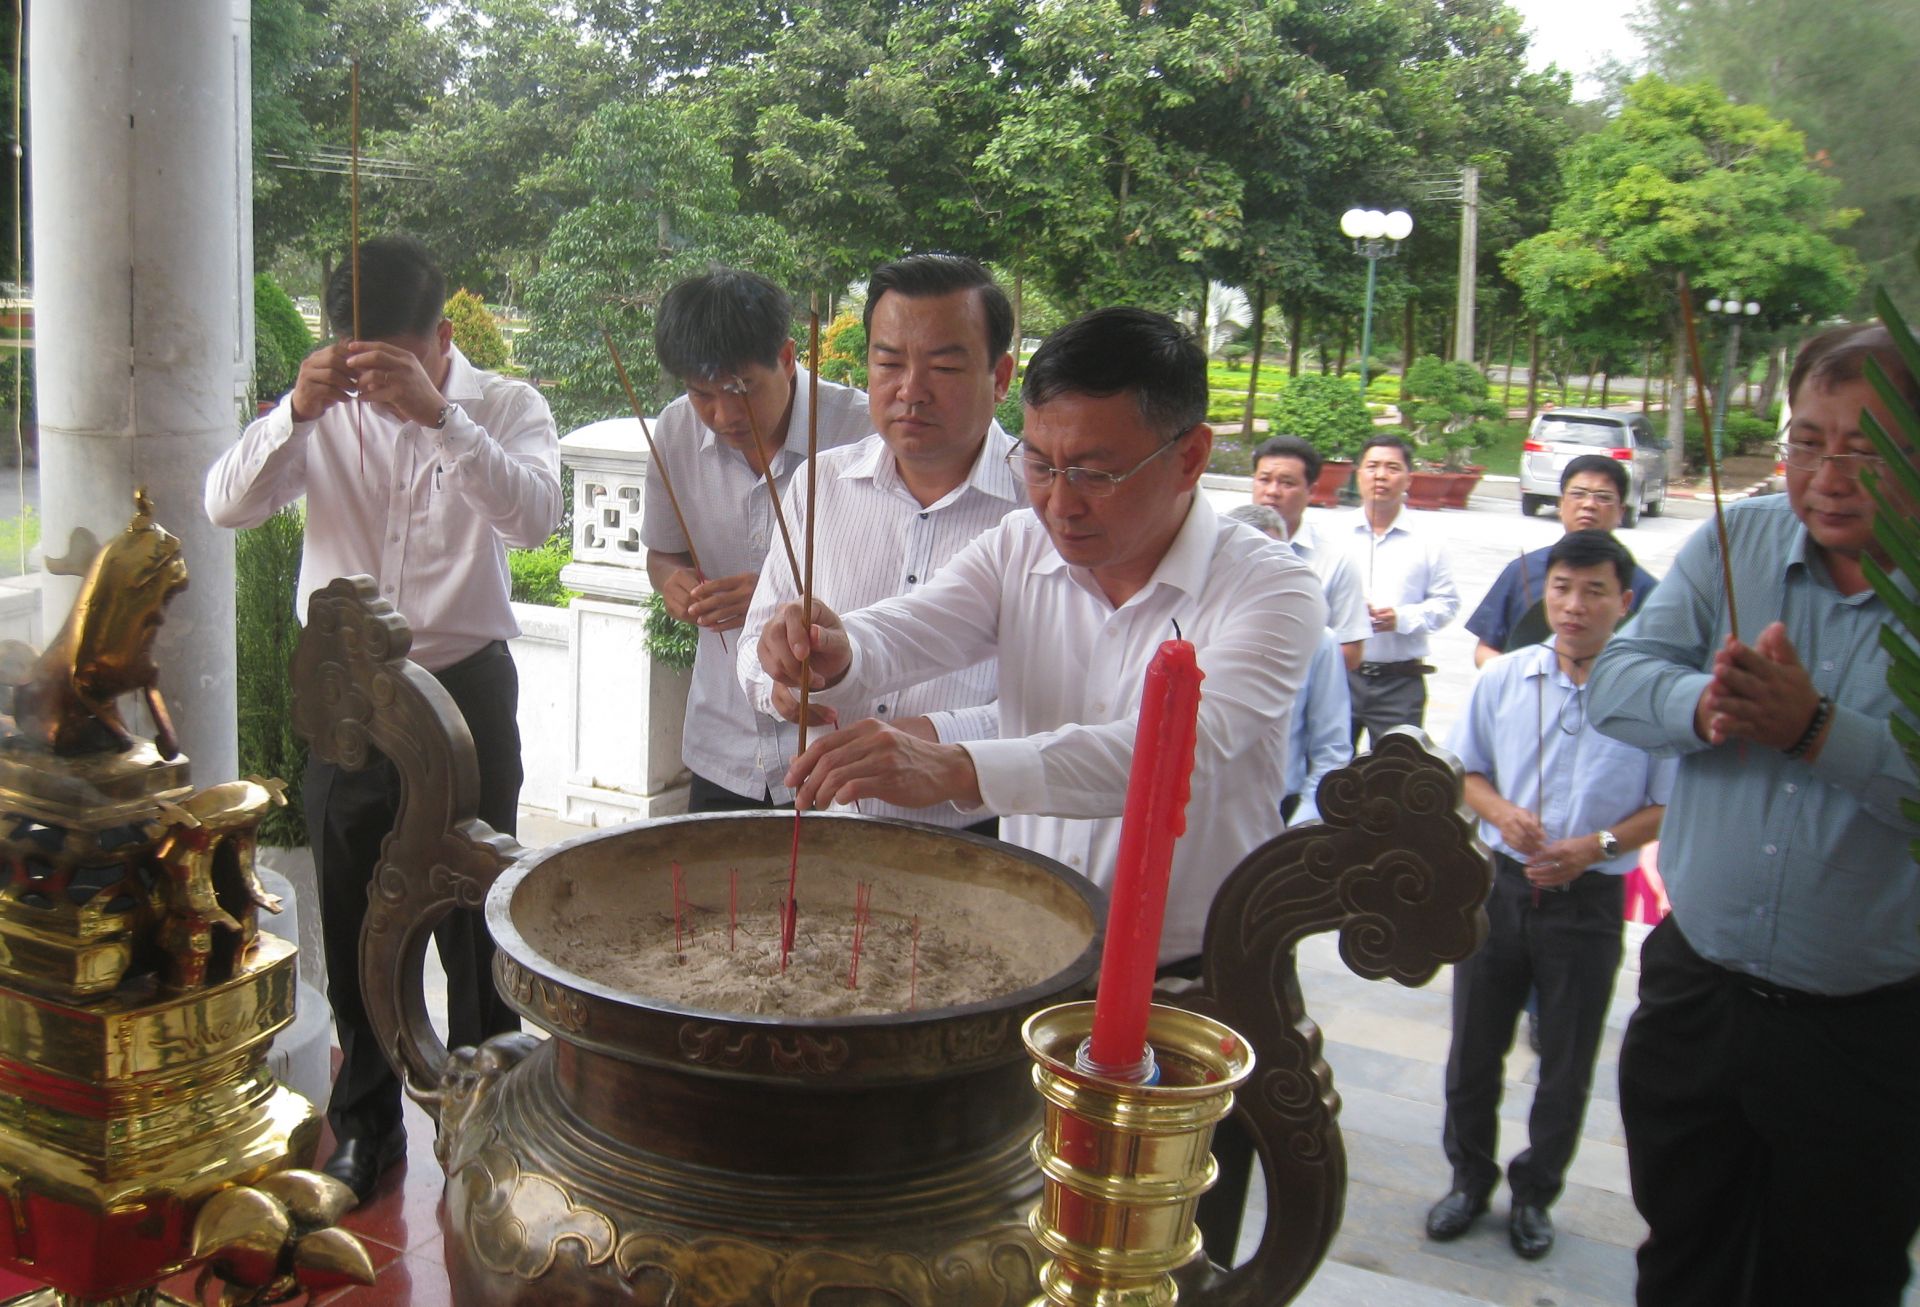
134 225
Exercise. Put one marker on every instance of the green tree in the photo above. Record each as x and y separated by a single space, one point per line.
1839 72
302 51
487 185
1684 181
661 205
475 331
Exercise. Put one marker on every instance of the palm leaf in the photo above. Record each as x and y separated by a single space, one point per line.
1898 531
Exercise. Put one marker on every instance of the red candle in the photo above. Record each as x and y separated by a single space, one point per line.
1158 787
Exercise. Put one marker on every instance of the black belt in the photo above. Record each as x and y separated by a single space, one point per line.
1780 995
1405 668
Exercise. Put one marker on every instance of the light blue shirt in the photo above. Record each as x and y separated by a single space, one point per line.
1322 736
1798 873
1527 730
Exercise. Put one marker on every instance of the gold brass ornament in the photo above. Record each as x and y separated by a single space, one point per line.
138 997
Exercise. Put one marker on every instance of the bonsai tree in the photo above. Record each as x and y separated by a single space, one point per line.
1446 403
1326 412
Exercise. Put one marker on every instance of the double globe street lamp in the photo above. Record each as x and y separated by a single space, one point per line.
1375 236
1735 310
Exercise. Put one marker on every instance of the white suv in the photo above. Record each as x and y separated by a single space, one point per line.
1561 435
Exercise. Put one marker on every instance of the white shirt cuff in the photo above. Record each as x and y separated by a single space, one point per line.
1012 778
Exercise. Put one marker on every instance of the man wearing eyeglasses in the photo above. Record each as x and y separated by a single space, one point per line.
729 447
1770 1078
892 509
1119 554
1563 808
1593 492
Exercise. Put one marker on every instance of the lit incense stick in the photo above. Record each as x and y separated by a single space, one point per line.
792 912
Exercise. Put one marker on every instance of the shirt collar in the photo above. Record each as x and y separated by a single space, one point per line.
1184 566
1546 662
989 474
463 379
1361 524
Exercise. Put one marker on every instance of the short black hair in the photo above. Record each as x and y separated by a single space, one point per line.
920 276
1840 355
1124 351
1385 441
1582 549
402 290
1289 447
1611 468
719 321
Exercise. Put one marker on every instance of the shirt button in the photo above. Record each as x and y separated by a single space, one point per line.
1772 849
912 580
1826 665
881 709
1792 788
923 517
394 540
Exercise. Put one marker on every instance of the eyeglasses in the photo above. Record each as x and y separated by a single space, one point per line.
1604 498
1808 458
1088 481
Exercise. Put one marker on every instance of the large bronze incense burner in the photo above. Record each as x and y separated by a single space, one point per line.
660 1151
140 1129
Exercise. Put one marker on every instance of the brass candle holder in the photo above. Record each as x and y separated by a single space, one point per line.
1124 1164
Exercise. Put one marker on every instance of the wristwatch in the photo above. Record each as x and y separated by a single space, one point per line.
439 422
1609 845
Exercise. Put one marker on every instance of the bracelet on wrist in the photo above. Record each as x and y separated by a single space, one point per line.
1822 711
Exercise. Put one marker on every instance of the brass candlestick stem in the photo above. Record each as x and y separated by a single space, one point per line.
1124 1165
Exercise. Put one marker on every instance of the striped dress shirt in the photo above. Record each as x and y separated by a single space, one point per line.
874 540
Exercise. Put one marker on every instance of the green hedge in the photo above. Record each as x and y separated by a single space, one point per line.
535 573
267 576
280 339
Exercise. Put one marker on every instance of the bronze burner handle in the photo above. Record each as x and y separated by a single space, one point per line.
1397 867
355 691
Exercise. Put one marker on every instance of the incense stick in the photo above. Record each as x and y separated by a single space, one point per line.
773 490
913 967
353 239
806 598
1539 709
1713 455
656 463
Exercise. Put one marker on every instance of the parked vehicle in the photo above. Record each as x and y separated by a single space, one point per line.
1560 435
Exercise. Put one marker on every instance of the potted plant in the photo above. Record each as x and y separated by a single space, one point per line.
1446 403
1329 414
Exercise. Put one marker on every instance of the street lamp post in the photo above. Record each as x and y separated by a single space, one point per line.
1375 236
1735 309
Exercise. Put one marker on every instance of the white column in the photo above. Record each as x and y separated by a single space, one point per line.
134 222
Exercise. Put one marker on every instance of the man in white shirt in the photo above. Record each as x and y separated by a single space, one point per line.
1409 587
896 506
1075 600
1284 469
730 446
421 482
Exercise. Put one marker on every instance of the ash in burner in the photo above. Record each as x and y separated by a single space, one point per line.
958 959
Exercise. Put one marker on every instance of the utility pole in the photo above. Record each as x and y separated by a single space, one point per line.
1469 263
1462 187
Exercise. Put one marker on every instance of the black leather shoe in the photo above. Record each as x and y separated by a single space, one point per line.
1531 1230
1454 1215
359 1162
